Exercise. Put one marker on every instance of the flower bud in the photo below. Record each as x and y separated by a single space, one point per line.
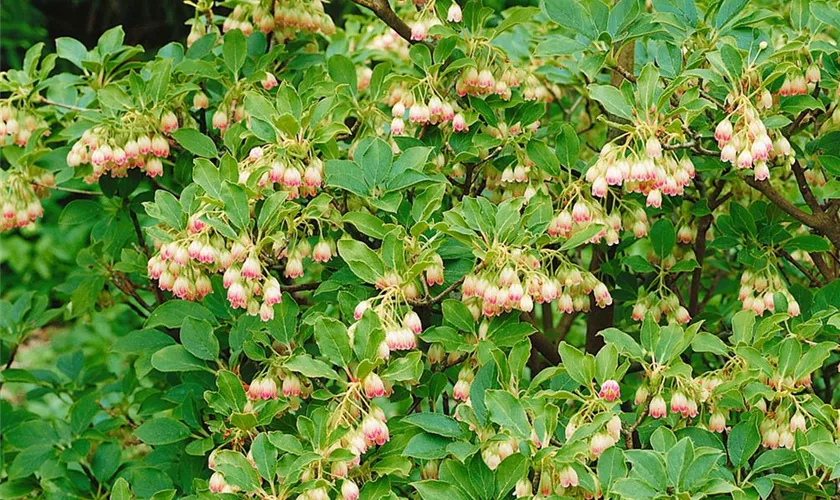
610 390
349 490
454 13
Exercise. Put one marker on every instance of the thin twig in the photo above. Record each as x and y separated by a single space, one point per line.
67 190
383 11
442 295
62 105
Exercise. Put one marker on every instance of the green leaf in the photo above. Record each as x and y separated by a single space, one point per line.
195 142
578 365
743 442
582 236
567 146
624 342
333 341
407 368
612 99
162 430
236 469
706 342
435 423
310 367
508 412
426 447
342 70
743 323
105 461
175 358
663 237
800 11
80 212
236 204
363 261
458 315
728 10
772 459
171 314
646 86
234 51
265 456
198 338
120 490
542 157
231 390
71 50
206 175
611 467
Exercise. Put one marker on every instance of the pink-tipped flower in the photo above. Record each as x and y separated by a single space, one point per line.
797 422
217 482
349 490
251 268
653 148
266 311
682 316
154 167
723 131
294 268
812 74
269 81
454 14
485 79
160 146
793 308
745 159
600 442
412 322
291 177
237 296
610 390
291 385
580 212
602 295
761 171
360 309
568 477
459 123
654 198
418 31
461 391
717 422
679 403
268 389
374 387
524 488
220 119
168 122
321 252
658 408
642 394
397 126
728 154
200 101
599 187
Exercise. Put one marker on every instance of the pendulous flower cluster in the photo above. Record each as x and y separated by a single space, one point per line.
21 192
646 169
138 141
518 280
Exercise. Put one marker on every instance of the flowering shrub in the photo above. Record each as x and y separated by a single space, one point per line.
430 251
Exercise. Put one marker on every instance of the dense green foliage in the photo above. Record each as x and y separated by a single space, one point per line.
439 251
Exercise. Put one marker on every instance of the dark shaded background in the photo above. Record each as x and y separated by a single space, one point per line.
150 23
